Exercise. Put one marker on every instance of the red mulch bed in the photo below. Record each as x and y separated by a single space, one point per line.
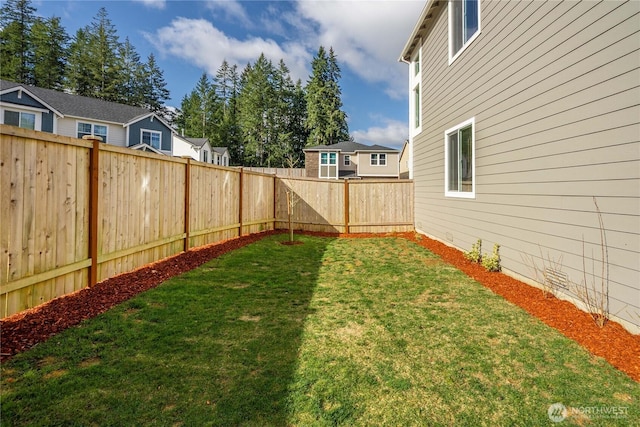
22 331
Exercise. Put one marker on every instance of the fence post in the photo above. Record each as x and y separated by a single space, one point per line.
187 202
346 206
240 202
94 178
275 200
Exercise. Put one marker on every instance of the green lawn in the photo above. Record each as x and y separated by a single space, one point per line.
331 332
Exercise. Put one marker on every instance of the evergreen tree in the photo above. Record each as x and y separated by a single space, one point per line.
199 111
16 56
49 41
104 45
155 91
132 86
79 75
229 135
326 122
255 111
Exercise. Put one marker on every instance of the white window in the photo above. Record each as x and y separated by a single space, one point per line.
152 138
460 160
205 156
20 118
347 160
464 25
378 159
328 165
92 129
415 103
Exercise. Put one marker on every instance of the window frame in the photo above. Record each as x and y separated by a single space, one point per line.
152 132
37 118
347 160
454 55
380 159
330 161
104 137
459 193
415 95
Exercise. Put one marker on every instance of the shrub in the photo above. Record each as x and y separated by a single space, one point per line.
475 254
492 263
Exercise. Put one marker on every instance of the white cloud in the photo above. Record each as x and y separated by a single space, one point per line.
200 43
367 36
232 10
155 4
392 134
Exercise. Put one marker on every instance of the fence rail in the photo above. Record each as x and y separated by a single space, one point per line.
75 212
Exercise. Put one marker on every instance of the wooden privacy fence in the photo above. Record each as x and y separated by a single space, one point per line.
75 212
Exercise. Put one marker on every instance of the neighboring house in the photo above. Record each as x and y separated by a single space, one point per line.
404 161
197 148
65 114
521 113
220 156
351 160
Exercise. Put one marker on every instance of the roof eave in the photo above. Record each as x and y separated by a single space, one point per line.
422 26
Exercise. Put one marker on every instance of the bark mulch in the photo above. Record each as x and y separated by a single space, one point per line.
24 330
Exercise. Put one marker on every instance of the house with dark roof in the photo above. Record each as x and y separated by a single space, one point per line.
348 160
65 114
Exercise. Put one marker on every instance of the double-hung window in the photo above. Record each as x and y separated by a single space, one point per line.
328 165
415 83
152 138
92 129
378 159
464 25
347 160
20 118
459 160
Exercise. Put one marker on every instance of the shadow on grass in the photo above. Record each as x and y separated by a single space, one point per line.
215 346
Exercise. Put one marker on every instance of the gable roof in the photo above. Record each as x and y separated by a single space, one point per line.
220 150
81 106
349 147
198 142
422 27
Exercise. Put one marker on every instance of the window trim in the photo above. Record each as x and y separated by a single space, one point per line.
23 110
380 159
151 131
415 93
453 56
93 125
328 164
347 159
456 129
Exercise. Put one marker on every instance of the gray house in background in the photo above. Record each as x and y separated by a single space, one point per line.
348 159
521 113
65 114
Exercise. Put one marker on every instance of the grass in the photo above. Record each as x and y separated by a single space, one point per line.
330 332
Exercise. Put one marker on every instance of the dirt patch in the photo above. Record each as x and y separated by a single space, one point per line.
291 243
22 331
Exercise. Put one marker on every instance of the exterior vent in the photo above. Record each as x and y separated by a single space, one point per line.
555 279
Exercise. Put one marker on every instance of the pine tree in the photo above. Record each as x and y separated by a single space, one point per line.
155 88
16 56
49 40
255 111
79 75
326 122
104 45
132 88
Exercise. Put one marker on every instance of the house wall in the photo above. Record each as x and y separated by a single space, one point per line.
11 101
150 123
312 163
553 88
366 169
353 157
116 134
184 148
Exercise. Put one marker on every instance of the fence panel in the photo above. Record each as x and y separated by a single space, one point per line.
380 206
44 191
257 202
141 208
214 212
318 205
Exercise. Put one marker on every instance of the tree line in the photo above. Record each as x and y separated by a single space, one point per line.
259 113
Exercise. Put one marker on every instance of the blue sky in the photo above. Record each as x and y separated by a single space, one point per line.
192 37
